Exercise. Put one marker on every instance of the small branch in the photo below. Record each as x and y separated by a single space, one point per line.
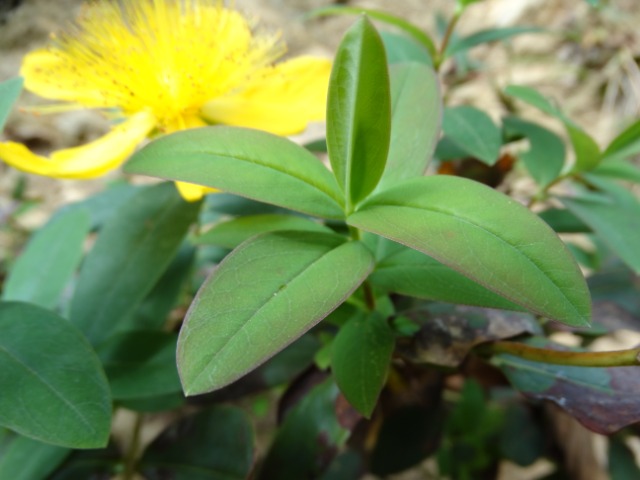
618 358
445 41
369 297
132 453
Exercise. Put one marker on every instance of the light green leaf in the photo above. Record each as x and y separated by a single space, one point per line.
54 388
140 364
9 93
43 269
132 251
545 157
232 233
618 169
359 112
401 48
487 36
585 147
416 109
474 132
487 237
360 357
415 32
413 273
236 323
250 163
629 138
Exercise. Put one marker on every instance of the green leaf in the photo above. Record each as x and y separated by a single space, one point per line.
309 437
132 251
359 112
409 28
236 323
545 157
59 393
563 221
140 364
487 36
360 358
618 169
629 138
617 224
474 132
22 458
585 147
214 444
232 233
416 109
250 163
412 273
622 460
401 48
43 269
485 236
9 93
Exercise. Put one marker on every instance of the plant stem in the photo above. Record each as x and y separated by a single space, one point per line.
369 297
445 40
618 358
132 454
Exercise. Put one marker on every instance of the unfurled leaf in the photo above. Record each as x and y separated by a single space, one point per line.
585 147
360 357
400 49
413 273
602 399
545 157
140 364
23 458
53 252
214 444
487 237
416 109
308 439
563 221
233 232
487 36
359 112
54 387
474 132
132 252
616 222
250 163
619 170
9 93
627 143
236 323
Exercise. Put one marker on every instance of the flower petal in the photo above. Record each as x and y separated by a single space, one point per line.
280 99
192 192
88 161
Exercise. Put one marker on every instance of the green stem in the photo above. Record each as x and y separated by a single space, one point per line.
618 358
440 58
132 454
369 297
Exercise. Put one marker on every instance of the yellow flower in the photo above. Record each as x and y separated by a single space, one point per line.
162 66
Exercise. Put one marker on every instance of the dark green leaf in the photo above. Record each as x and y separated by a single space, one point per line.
141 364
309 437
409 28
236 323
487 36
250 163
623 463
22 458
58 391
412 273
586 149
563 221
629 138
360 358
132 251
602 399
545 157
474 132
522 440
485 236
232 233
416 109
9 93
616 223
43 269
359 112
160 403
214 444
401 48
